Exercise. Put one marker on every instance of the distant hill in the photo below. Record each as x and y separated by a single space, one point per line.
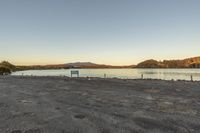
69 65
192 62
149 64
81 64
92 65
185 63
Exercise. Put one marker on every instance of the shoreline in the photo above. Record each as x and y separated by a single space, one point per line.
100 78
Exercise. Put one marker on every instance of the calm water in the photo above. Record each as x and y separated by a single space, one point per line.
167 74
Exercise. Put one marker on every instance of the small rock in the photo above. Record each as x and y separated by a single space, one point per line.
79 116
16 131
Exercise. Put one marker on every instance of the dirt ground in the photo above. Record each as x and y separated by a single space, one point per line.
79 105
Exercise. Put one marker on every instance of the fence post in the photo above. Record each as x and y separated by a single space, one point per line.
191 78
142 76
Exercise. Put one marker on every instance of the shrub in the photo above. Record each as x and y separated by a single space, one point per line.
7 65
4 70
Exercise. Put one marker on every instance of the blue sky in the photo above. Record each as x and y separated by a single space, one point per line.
117 32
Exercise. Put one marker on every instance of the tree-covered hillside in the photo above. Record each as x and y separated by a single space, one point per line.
186 63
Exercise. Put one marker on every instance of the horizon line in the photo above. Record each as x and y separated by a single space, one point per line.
48 64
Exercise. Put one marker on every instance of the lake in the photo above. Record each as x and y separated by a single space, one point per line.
167 74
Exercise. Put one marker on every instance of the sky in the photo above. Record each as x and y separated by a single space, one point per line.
115 32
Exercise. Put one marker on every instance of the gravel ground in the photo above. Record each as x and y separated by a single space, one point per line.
79 105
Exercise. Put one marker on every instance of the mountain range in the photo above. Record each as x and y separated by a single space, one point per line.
185 63
92 65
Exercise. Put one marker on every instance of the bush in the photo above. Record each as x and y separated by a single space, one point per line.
7 65
4 70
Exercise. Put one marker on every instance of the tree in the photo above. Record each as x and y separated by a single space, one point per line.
4 70
8 65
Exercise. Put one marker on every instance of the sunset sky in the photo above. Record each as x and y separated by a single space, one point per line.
116 32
